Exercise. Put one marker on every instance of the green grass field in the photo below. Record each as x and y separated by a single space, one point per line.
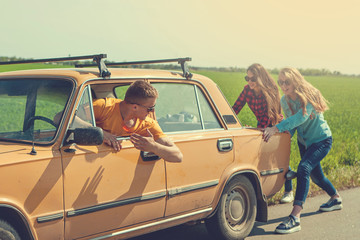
342 165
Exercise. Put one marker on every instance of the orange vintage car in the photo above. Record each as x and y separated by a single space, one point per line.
59 181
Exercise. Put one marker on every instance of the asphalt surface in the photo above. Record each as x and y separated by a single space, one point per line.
341 224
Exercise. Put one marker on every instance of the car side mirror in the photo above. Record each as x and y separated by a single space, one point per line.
90 136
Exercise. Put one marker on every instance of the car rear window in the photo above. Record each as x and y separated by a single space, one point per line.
184 107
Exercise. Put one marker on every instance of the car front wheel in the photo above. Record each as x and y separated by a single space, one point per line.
7 232
236 211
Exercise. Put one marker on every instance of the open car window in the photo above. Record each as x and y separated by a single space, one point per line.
28 108
120 91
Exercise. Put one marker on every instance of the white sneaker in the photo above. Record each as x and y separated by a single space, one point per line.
331 205
287 198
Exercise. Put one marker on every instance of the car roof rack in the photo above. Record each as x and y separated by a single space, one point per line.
98 58
181 61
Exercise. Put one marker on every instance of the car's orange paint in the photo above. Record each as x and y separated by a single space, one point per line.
62 181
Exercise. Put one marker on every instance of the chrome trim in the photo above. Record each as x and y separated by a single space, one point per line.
225 144
176 191
104 206
51 217
199 107
74 109
271 172
120 138
91 105
152 224
213 102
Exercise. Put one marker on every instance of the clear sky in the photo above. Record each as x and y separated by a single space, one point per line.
215 33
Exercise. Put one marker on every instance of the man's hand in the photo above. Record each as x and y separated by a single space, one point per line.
268 132
110 140
163 147
143 143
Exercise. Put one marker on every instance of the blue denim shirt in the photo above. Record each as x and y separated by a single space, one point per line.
311 127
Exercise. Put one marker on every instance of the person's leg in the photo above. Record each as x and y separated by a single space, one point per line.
310 158
318 177
292 223
335 202
288 184
288 194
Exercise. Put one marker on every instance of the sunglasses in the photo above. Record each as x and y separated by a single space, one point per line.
286 82
148 109
253 79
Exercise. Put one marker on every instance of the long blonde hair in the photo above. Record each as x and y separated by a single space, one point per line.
270 91
306 92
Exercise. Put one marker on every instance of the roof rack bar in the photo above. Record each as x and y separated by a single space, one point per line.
178 60
54 59
181 61
98 58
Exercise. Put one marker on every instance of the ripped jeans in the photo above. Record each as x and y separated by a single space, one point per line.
309 166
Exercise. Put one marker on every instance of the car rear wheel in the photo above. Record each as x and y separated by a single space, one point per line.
236 211
7 232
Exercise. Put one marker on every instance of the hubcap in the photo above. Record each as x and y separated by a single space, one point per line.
235 208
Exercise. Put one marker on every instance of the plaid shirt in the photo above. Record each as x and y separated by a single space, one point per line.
257 104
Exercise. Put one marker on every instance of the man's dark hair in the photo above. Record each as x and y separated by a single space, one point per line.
139 91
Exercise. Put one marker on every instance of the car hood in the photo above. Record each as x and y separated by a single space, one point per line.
12 153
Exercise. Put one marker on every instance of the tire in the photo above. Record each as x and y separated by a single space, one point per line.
7 232
236 211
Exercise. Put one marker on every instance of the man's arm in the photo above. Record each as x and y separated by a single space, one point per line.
168 150
163 147
109 139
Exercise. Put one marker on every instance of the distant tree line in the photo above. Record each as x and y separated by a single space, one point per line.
312 72
305 72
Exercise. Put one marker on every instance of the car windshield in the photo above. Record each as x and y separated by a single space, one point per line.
28 108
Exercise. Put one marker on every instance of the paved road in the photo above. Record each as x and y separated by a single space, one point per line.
343 224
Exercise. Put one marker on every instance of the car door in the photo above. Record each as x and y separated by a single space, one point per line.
188 116
270 160
106 190
31 174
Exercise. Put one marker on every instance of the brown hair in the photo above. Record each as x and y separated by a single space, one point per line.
270 91
306 92
139 91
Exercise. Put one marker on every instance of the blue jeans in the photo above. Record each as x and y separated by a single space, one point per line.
288 184
309 166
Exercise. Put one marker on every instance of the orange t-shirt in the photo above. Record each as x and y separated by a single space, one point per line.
108 117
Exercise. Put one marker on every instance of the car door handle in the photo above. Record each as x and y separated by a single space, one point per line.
149 156
225 145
